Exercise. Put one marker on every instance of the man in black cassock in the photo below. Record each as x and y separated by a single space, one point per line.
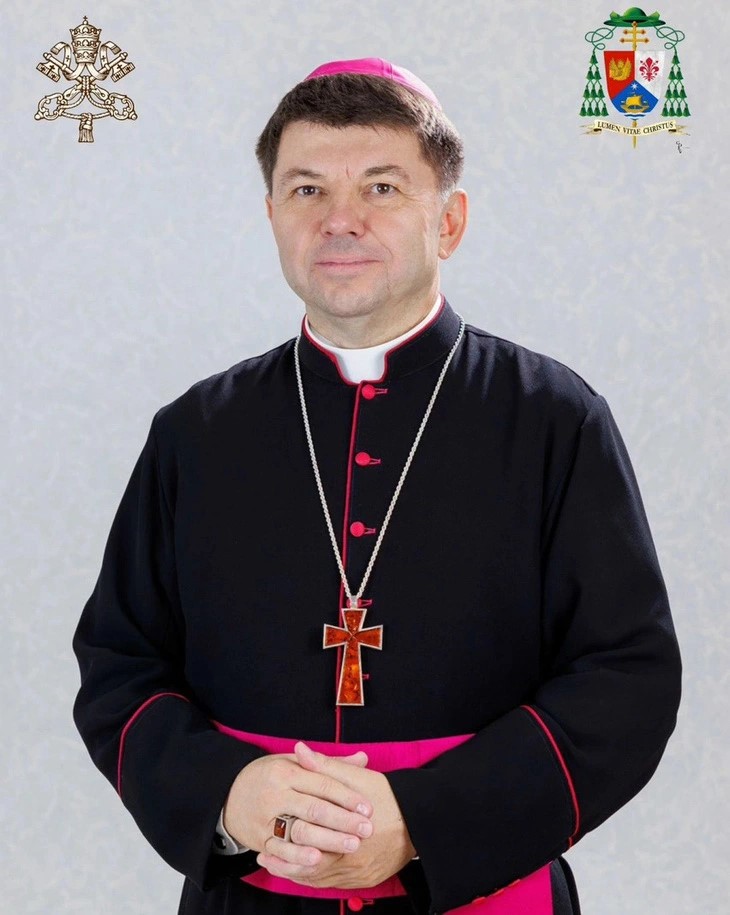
379 621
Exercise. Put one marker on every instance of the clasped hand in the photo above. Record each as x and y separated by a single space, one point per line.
348 833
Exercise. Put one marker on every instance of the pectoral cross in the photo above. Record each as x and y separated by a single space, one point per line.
353 637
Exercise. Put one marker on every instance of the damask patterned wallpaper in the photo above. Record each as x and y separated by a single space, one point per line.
139 263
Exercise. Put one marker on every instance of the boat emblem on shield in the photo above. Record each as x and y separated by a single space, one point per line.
637 70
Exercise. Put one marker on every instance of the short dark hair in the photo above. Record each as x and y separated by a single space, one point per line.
346 99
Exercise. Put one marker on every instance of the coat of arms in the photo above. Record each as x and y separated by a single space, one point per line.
642 76
78 62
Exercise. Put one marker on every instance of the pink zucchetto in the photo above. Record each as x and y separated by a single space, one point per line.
376 66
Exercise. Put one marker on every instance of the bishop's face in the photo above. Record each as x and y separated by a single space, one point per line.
360 226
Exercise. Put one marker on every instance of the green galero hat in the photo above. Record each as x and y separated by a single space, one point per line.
634 15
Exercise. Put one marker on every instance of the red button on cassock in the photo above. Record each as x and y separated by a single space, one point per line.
362 458
357 528
369 391
355 904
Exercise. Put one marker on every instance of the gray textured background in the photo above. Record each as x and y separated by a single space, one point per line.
137 265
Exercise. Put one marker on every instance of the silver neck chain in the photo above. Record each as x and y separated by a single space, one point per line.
354 598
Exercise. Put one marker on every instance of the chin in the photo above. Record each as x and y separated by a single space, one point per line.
345 306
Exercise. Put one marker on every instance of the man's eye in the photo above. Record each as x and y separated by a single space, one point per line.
303 191
378 189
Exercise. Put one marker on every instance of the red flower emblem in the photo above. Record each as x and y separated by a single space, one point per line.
649 69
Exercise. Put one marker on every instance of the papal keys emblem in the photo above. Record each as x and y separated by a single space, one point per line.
85 62
639 76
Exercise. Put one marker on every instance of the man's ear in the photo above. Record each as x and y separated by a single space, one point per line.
453 223
268 206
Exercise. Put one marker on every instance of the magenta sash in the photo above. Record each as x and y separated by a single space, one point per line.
532 894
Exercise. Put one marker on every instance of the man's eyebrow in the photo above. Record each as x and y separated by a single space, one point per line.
387 170
294 173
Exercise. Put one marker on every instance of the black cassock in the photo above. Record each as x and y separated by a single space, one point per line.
518 587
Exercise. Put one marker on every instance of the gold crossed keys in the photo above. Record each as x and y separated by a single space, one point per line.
81 68
353 637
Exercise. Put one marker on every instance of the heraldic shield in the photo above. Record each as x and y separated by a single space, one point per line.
634 80
635 76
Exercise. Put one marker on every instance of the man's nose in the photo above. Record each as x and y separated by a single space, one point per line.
344 213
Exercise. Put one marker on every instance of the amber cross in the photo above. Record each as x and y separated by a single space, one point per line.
352 636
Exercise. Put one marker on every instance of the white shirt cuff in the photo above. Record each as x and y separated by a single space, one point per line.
224 843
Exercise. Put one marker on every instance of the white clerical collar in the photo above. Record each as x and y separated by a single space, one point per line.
368 363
